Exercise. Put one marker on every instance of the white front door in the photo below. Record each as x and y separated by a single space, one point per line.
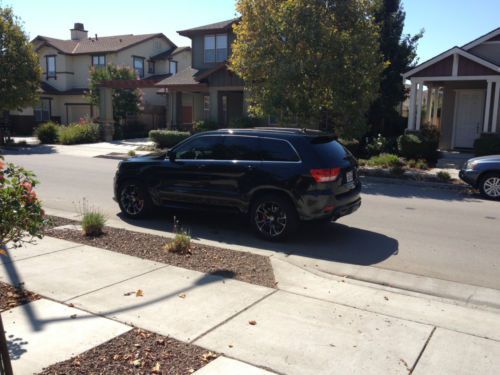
469 109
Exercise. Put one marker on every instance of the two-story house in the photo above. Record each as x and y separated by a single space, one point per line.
206 90
66 65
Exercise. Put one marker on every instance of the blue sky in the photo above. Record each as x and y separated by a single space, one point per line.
446 22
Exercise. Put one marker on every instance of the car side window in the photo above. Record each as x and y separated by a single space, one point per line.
202 148
277 150
241 148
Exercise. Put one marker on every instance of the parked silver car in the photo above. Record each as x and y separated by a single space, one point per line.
483 173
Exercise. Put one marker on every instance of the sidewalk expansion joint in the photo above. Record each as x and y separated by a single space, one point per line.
116 283
233 316
422 351
41 255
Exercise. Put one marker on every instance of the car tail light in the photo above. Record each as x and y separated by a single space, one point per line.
325 175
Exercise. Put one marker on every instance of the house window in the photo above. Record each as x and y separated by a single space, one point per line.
215 48
139 66
151 67
42 110
173 67
51 66
99 61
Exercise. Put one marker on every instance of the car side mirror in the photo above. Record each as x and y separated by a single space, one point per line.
171 155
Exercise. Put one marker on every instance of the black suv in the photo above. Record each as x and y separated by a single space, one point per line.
278 176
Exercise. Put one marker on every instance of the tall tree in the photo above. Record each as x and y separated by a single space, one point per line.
310 61
400 54
125 101
19 66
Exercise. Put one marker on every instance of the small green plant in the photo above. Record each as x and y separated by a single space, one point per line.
443 176
79 133
417 164
93 220
181 244
131 153
167 138
47 132
384 161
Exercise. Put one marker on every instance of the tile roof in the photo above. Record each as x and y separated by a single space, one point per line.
184 77
92 45
223 25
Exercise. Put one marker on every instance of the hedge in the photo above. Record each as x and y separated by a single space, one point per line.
413 146
167 138
487 144
79 133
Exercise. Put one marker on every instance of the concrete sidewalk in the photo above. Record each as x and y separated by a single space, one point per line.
312 325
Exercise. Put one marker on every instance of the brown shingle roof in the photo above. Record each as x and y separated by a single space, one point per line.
184 77
101 44
169 52
218 26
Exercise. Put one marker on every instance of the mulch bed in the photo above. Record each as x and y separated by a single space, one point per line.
243 266
56 221
136 352
11 297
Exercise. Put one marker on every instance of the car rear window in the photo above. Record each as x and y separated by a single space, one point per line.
277 150
328 148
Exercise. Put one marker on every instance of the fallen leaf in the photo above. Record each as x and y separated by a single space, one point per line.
73 316
3 252
252 322
230 345
71 305
128 293
208 356
116 357
139 293
183 295
385 297
156 369
137 363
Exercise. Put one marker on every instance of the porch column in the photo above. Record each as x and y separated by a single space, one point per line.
435 106
411 109
214 104
487 107
430 98
495 107
419 105
106 113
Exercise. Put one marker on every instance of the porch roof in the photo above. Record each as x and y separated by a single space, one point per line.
457 63
187 79
149 82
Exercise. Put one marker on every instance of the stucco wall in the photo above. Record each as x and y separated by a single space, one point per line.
448 111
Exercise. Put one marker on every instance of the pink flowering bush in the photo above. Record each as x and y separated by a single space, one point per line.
22 218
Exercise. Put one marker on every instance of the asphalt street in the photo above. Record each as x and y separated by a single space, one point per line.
422 231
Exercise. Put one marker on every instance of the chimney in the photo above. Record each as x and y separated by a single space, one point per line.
77 32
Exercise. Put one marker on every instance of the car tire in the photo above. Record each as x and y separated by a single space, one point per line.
134 200
489 186
273 217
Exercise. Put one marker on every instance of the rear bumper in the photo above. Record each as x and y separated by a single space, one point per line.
323 204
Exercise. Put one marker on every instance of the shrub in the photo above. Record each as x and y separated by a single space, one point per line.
417 164
167 138
385 161
47 132
246 122
131 153
204 126
380 145
443 176
487 144
79 133
415 146
181 243
93 220
21 215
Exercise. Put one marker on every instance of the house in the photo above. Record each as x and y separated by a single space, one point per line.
66 64
207 90
463 89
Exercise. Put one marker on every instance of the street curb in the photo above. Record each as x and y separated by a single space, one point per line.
435 185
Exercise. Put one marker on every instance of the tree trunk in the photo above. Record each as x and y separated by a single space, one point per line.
5 366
